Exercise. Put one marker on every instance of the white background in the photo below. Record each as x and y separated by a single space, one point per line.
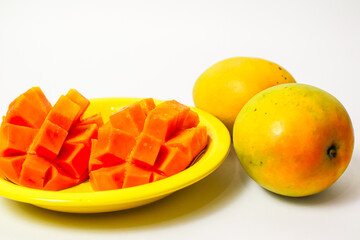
158 49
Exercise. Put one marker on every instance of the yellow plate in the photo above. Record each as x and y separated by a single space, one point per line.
82 199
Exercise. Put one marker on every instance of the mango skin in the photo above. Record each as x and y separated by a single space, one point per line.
294 139
224 88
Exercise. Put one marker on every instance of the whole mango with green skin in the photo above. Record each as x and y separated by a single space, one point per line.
294 139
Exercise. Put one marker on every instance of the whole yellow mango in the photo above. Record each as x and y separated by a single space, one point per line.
225 87
294 139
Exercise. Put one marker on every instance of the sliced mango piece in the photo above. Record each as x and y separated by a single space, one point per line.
94 163
63 113
11 167
15 139
135 176
191 120
108 178
35 171
113 144
48 141
94 119
172 160
146 150
131 118
82 134
23 111
191 141
72 159
156 176
166 119
39 97
147 104
80 100
58 179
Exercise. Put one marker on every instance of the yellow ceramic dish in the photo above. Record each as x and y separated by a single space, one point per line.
82 199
